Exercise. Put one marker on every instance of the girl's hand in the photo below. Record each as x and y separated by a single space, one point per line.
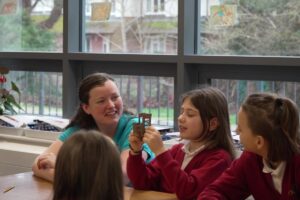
46 161
153 139
136 145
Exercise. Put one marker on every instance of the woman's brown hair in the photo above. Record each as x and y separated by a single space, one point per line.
88 167
276 119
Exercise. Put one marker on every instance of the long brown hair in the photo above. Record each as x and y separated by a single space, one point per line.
276 119
88 167
211 103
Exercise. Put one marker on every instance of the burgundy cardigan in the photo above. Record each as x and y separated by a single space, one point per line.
245 177
164 172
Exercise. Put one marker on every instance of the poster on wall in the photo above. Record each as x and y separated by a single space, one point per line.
8 7
223 15
101 11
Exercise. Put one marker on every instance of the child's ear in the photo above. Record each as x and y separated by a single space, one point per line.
213 123
259 142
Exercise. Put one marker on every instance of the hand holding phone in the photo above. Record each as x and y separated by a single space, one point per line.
139 128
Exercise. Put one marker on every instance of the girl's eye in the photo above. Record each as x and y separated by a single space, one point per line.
191 114
187 113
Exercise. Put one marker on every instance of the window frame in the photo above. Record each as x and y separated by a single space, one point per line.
188 69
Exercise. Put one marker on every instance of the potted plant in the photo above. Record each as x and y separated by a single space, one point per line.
8 102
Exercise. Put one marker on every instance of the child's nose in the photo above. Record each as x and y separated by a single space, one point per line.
180 118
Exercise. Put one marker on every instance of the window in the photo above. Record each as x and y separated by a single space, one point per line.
88 8
113 7
155 45
155 6
31 26
231 41
241 27
149 94
237 90
41 92
106 47
127 27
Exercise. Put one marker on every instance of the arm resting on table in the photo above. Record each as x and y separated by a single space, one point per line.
43 165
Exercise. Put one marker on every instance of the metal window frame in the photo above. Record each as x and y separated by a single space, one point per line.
189 70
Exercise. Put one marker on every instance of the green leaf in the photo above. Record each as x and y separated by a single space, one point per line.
9 107
15 88
11 100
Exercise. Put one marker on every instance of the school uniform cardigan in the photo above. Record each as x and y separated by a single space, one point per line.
164 172
245 177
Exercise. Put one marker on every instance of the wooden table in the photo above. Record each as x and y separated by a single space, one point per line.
28 187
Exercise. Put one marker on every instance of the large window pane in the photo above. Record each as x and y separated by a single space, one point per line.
34 25
237 90
243 27
41 92
149 94
131 26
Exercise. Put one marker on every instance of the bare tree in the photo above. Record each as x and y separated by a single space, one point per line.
29 5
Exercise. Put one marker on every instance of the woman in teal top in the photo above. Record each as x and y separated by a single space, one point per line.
121 136
101 108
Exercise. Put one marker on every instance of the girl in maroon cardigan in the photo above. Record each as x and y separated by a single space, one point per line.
187 168
269 168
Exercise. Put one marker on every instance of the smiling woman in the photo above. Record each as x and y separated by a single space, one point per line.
101 108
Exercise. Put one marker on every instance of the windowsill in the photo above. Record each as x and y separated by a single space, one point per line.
23 144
